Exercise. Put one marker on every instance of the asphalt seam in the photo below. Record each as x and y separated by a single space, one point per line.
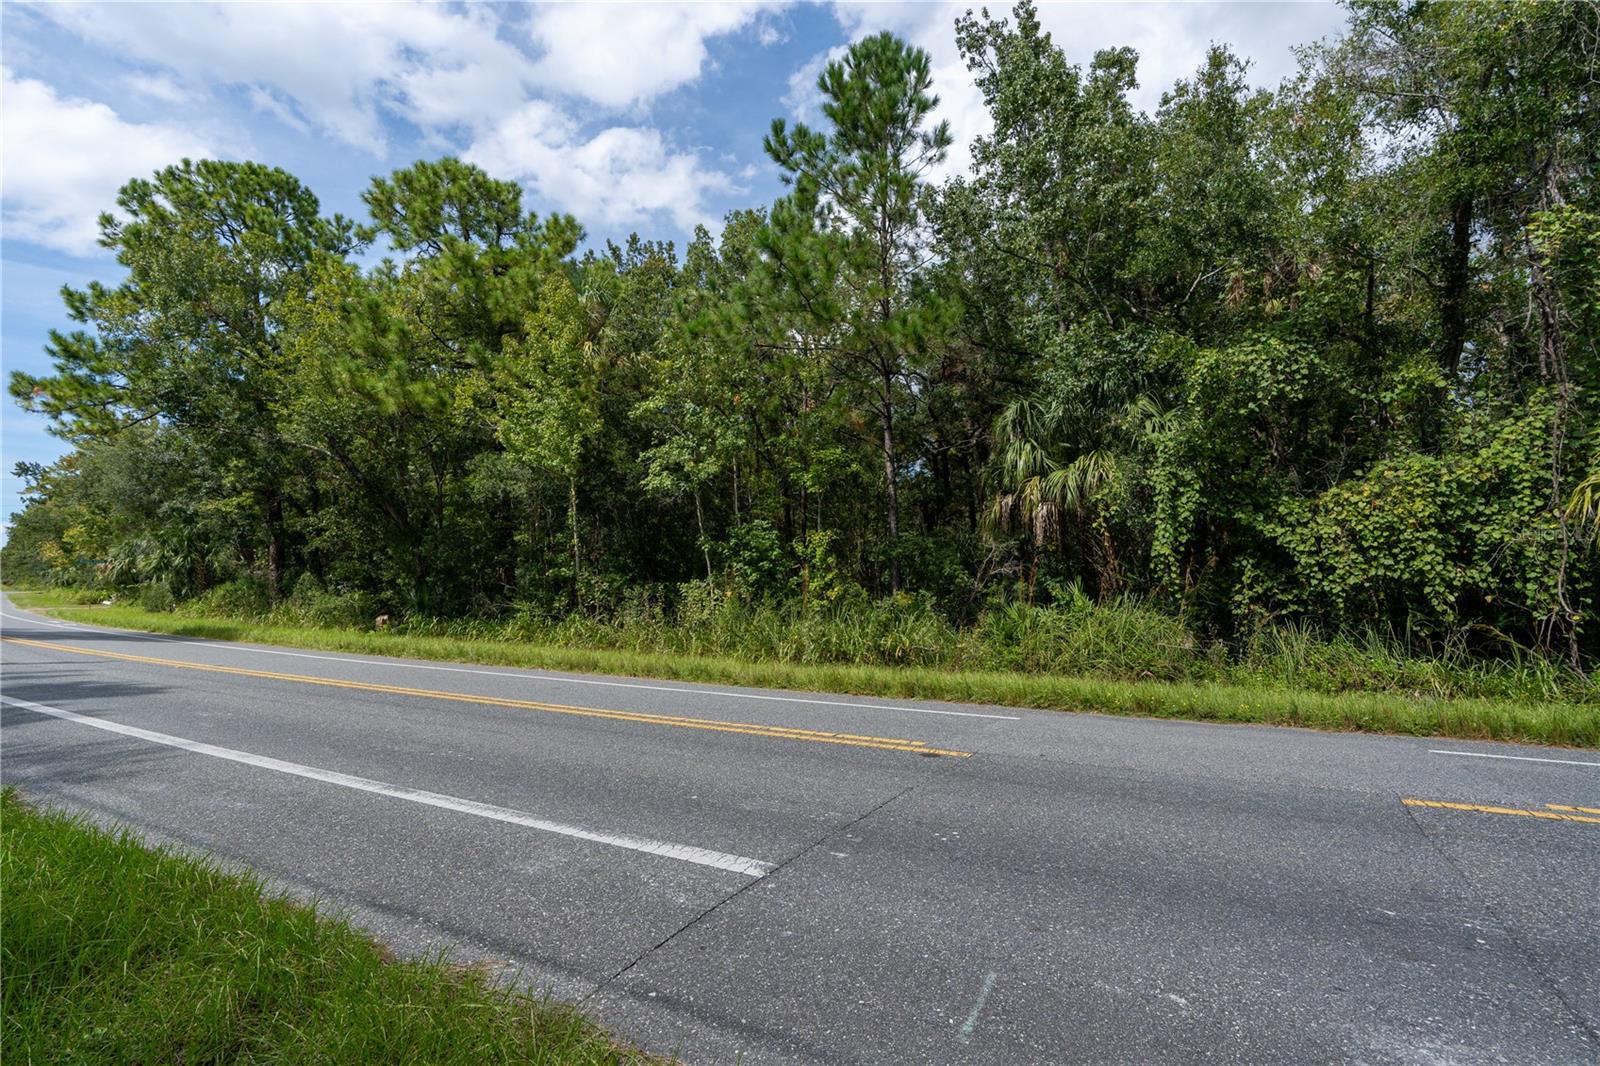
753 882
1591 1034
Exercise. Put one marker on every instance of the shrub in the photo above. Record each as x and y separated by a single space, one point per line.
1119 639
241 598
312 605
157 596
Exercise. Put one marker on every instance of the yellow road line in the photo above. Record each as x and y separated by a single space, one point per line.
748 728
1573 810
1482 809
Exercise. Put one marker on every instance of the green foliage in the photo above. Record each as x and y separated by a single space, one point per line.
754 561
242 598
1440 536
310 604
1318 357
157 596
549 394
843 252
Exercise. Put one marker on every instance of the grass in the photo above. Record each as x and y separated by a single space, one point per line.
117 952
1431 709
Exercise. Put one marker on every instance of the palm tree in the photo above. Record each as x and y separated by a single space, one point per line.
1054 460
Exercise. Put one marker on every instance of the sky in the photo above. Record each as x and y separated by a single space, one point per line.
633 117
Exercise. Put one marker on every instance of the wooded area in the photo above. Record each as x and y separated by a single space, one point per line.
1317 357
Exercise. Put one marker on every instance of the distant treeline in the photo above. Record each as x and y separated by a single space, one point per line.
1322 355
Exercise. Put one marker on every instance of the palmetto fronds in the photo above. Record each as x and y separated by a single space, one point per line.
1042 475
1584 505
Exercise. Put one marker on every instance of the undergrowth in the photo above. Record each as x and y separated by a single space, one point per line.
1113 659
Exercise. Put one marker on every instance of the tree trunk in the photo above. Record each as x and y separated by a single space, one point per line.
274 508
1457 280
891 472
572 519
700 524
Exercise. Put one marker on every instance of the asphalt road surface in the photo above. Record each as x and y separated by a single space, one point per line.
739 875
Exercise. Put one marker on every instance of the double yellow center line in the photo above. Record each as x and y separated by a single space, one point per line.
753 729
1557 812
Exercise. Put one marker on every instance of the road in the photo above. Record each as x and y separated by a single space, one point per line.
766 877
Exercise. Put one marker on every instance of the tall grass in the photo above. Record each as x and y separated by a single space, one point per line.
116 952
1116 641
1118 658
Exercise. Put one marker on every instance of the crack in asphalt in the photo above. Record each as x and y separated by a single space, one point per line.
742 889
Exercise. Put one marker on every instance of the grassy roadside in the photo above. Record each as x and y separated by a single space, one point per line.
1565 724
117 952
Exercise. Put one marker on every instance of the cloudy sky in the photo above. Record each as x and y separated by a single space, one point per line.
643 117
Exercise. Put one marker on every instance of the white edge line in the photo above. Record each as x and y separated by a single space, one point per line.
503 673
43 621
1519 758
682 852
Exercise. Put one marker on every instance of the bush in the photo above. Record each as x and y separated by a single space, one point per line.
899 631
1119 639
157 596
242 598
1379 662
755 563
1073 636
309 604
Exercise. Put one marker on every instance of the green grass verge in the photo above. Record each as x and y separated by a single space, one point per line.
1563 724
118 952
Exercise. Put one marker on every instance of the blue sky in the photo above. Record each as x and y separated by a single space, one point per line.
644 117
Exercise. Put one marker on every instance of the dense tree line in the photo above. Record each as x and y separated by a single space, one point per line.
1321 354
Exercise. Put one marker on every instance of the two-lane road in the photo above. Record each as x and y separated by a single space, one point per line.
764 876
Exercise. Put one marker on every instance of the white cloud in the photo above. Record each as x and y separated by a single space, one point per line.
622 54
462 75
66 158
340 66
265 102
619 177
159 87
337 65
804 99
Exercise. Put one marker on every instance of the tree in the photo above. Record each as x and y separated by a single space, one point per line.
549 397
848 247
480 259
193 337
391 420
698 379
1319 354
1493 115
